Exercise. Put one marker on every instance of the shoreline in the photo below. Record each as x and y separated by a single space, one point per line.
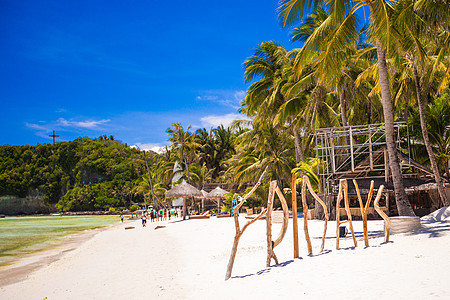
188 260
19 267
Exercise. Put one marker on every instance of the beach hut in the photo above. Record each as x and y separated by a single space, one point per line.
183 190
216 193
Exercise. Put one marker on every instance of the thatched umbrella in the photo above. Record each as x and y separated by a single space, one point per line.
183 190
216 193
203 198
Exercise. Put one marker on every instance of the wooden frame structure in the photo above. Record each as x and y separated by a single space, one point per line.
357 151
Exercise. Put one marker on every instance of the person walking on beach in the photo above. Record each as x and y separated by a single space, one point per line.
144 220
121 218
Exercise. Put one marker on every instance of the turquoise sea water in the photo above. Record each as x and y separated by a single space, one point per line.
23 235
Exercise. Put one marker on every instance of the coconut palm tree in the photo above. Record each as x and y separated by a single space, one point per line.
338 30
183 142
271 65
411 25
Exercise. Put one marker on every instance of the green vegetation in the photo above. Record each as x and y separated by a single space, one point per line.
23 235
393 69
83 174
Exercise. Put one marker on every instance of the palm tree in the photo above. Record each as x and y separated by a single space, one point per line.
182 141
410 23
271 64
342 26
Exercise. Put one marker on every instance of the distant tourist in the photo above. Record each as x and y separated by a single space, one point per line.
121 218
144 220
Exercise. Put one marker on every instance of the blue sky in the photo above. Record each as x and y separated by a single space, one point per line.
127 69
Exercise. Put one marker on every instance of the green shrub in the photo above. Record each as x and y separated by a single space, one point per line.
111 209
134 207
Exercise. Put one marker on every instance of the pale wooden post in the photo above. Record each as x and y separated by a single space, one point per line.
325 210
351 149
270 253
294 215
285 217
343 193
387 228
240 231
365 209
305 215
386 166
370 149
333 162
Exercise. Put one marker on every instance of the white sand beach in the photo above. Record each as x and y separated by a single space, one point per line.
188 260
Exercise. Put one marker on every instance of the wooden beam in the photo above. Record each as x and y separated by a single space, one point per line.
351 149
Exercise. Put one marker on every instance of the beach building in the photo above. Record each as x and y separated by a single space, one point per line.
360 152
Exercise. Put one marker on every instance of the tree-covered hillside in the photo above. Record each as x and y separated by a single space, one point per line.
84 174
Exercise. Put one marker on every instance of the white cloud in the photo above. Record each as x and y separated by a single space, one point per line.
217 120
150 147
81 124
230 98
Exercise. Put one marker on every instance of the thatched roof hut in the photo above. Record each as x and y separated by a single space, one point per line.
216 193
183 190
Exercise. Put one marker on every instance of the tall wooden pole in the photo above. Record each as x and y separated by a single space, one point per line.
294 214
269 221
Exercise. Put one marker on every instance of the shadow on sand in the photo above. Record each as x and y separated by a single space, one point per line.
267 270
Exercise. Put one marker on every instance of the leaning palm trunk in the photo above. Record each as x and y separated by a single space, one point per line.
298 148
426 140
403 206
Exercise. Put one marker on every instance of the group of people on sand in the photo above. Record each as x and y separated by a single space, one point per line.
158 215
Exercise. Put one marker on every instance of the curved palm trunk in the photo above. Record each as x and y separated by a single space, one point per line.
403 206
423 125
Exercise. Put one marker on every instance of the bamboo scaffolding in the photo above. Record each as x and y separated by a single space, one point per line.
343 193
364 209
